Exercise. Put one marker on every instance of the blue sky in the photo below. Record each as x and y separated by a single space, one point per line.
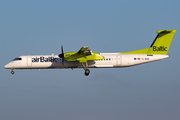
40 27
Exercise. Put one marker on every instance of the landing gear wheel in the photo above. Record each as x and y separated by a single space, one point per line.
87 71
12 72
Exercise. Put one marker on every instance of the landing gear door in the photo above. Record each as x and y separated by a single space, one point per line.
29 61
118 59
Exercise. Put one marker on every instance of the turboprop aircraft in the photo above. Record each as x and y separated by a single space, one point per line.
85 58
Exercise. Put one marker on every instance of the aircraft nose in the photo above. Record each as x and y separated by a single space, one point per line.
7 66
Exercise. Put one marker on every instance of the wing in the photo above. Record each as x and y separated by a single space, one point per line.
83 55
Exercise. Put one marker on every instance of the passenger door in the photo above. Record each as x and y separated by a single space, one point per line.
118 59
29 61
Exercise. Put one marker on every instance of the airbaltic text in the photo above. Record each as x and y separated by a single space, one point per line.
160 48
45 59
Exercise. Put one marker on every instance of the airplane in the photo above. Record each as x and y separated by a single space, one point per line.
85 58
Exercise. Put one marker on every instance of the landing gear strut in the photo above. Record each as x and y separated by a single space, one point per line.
12 72
87 71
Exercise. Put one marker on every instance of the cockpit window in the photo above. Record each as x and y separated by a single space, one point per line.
17 59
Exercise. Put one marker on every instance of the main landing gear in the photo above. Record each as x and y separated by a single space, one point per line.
12 72
87 71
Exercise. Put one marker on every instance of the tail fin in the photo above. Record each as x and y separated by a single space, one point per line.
162 42
160 45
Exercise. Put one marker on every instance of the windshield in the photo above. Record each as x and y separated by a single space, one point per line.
17 59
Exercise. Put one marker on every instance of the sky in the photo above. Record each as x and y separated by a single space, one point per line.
39 27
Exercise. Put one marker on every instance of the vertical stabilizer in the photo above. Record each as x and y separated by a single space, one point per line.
162 42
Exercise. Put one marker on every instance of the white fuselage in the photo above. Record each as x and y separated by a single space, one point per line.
53 61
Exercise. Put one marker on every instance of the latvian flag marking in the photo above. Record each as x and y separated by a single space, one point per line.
137 58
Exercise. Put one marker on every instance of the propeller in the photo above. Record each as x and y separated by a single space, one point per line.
62 55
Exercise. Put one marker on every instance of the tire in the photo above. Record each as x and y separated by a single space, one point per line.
12 72
87 71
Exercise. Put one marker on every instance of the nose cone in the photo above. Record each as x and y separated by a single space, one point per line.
7 66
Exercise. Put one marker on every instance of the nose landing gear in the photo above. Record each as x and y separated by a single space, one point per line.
12 72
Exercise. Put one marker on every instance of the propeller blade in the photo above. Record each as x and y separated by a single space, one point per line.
62 55
62 50
62 61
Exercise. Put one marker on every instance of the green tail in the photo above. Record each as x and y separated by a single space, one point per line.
160 45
